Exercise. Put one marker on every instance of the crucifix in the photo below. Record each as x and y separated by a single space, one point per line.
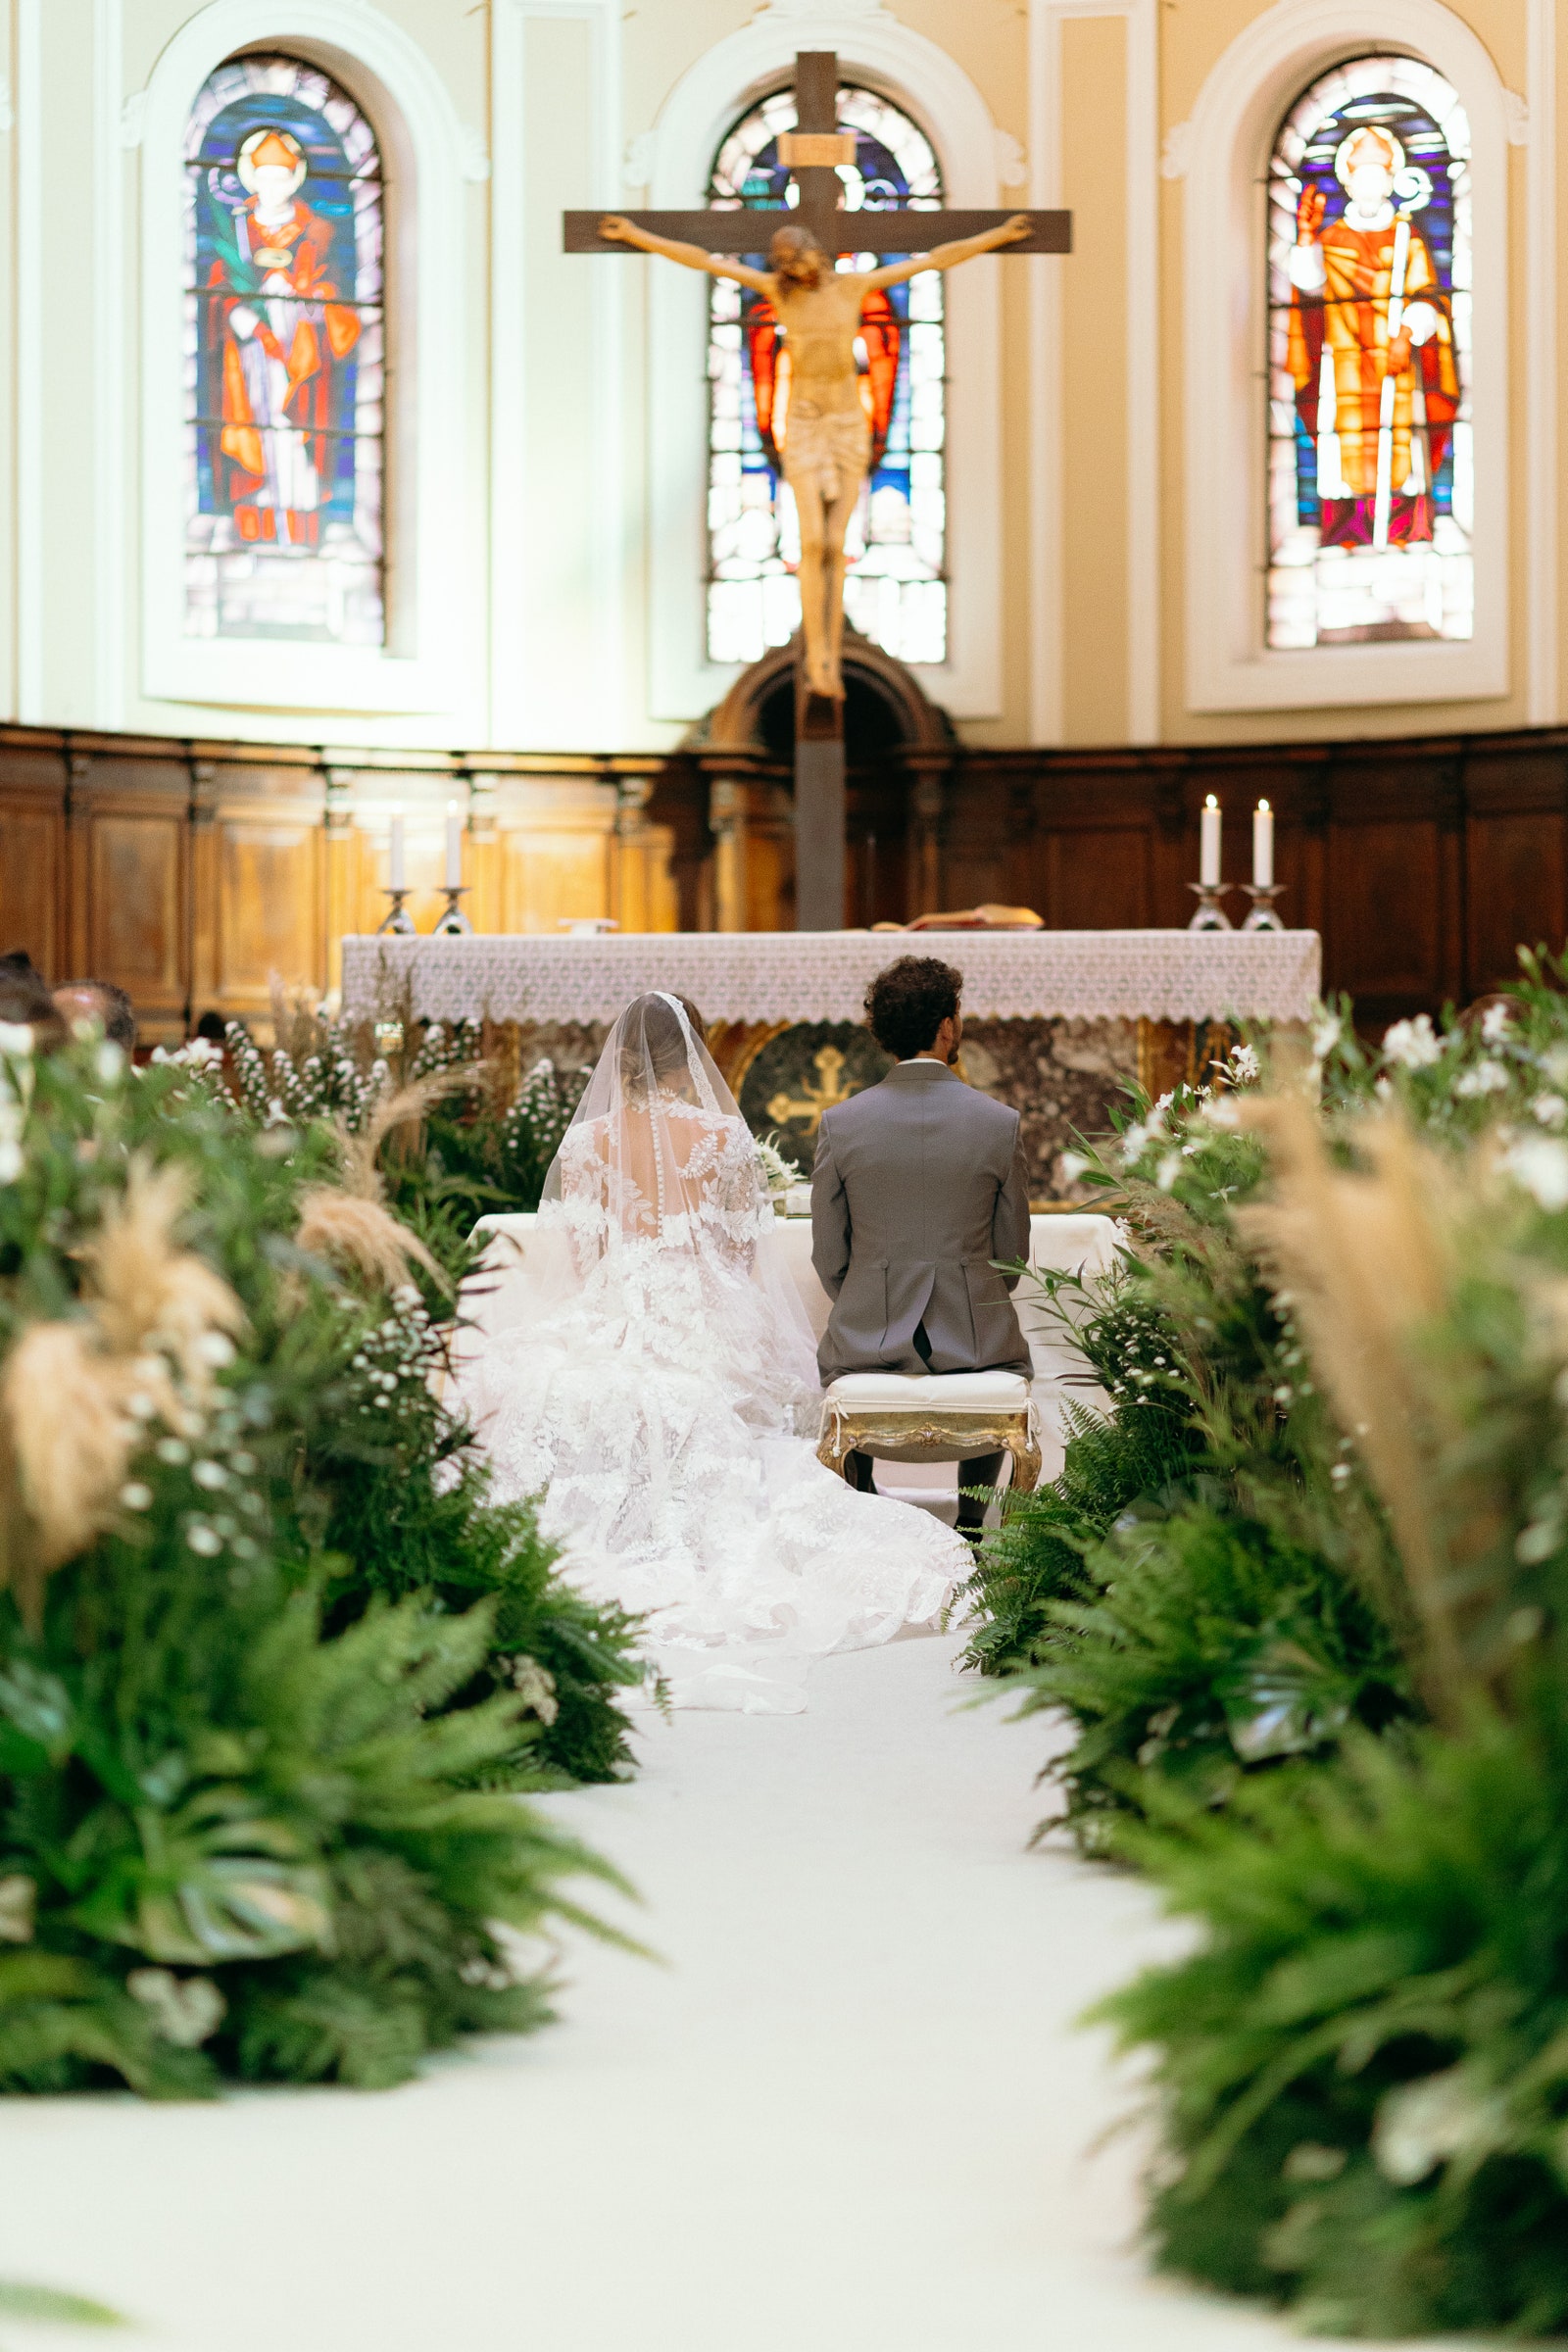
827 444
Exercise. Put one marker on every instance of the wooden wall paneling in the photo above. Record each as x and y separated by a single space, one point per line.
1516 862
558 835
270 851
770 859
486 867
35 898
1384 916
130 829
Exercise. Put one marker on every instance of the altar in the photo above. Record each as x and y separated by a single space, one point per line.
1055 1023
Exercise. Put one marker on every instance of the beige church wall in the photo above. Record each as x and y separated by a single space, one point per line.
549 476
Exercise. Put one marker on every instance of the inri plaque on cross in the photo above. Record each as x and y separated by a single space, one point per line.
826 446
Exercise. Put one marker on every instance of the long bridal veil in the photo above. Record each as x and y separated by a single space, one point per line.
657 1169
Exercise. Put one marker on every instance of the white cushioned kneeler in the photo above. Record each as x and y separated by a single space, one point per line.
914 1391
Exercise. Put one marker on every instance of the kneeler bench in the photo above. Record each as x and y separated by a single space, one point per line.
931 1417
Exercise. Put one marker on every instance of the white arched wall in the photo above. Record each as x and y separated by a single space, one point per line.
885 54
1227 145
423 666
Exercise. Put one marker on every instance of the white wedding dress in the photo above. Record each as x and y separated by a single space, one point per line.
656 1386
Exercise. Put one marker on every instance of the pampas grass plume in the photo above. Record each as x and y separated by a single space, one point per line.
72 1436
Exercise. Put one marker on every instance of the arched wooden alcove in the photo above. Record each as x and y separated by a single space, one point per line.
900 748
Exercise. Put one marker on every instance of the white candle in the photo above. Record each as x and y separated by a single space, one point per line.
1262 847
454 847
1208 845
396 879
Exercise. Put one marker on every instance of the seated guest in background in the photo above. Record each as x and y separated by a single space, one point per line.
102 1001
25 1001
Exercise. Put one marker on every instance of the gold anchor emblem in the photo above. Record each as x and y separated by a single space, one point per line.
806 1108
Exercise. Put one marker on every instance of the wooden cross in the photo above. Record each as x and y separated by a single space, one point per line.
813 153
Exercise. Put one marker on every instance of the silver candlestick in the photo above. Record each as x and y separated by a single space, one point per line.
397 917
1262 916
454 924
1210 915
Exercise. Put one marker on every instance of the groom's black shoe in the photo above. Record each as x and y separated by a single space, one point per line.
982 1470
862 1473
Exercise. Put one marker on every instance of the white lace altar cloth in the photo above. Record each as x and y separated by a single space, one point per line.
823 975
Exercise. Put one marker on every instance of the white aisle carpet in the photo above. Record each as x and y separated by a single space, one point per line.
849 2111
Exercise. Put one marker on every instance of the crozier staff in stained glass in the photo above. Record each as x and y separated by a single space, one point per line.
827 444
284 230
1370 486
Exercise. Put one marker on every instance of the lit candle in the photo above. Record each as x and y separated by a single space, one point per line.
454 847
1208 845
396 879
1262 847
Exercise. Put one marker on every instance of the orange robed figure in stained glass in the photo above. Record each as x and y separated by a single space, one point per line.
277 336
1365 288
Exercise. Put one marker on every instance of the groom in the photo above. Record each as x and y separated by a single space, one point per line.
918 1186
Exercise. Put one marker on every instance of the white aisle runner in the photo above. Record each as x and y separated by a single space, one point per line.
850 2115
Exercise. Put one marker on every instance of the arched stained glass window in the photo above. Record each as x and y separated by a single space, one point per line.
1371 485
284 359
896 591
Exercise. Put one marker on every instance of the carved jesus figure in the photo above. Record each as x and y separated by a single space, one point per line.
827 445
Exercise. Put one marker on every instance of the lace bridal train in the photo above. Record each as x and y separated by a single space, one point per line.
654 1381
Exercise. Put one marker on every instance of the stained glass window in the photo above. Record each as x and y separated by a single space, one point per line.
896 590
284 359
1370 479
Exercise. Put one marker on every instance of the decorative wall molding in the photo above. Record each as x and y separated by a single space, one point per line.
1048 697
520 562
109 452
873 46
1516 114
27 582
1013 164
426 665
1542 426
1233 125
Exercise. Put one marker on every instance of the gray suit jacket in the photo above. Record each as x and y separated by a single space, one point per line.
918 1185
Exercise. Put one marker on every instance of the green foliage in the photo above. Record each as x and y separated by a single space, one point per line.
1205 1645
1364 2070
253 1753
20 2300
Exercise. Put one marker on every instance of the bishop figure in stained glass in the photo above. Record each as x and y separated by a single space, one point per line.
277 337
285 359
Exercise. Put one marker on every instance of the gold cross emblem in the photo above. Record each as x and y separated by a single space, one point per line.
806 1108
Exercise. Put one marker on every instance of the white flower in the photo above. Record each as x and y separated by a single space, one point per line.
16 1038
1420 2125
1539 1162
185 2010
1412 1044
135 1497
216 1348
19 1901
1550 1110
1135 1142
202 1540
1244 1064
12 1159
211 1475
1170 1168
1494 1023
1220 1111
1487 1078
109 1060
1325 1036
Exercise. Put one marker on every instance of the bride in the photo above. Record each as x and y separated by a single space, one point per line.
653 1384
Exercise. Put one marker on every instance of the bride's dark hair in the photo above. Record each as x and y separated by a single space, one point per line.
654 1041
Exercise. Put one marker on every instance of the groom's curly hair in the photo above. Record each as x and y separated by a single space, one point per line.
907 1005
